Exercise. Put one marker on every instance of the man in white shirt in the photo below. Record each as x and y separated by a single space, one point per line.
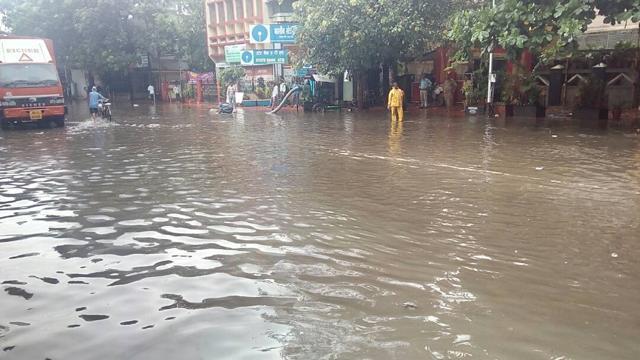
152 93
231 95
275 94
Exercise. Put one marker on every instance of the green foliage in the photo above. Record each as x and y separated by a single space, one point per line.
529 93
230 75
475 89
106 36
262 92
472 94
190 34
542 26
592 94
521 89
338 35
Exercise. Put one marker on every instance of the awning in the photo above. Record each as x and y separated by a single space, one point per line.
323 78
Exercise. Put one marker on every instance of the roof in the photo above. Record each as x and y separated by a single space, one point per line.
598 25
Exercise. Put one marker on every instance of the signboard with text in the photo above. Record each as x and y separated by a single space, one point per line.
283 33
264 57
142 61
24 51
233 53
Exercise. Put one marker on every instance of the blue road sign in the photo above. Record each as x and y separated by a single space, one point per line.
267 57
259 34
283 33
247 57
264 57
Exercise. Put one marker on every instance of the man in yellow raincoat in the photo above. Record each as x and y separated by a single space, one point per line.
396 98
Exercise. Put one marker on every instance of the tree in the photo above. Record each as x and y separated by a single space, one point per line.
230 75
357 35
540 26
191 34
105 37
544 27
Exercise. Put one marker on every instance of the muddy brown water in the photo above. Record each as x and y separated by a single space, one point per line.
176 234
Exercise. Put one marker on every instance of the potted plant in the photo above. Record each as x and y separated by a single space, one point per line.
262 97
523 94
591 102
472 97
507 96
617 108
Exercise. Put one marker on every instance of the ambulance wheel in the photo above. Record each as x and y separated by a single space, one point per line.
59 122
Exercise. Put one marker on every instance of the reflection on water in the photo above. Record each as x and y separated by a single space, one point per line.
395 138
184 234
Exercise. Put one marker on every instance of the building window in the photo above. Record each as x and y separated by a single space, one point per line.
249 7
213 16
239 10
221 17
259 5
276 8
230 16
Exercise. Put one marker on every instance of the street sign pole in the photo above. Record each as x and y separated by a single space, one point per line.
278 67
490 77
276 34
275 67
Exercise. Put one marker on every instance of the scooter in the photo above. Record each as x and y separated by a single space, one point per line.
225 108
438 95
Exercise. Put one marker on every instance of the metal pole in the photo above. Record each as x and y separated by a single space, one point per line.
489 82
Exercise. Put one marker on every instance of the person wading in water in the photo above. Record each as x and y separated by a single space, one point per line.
396 98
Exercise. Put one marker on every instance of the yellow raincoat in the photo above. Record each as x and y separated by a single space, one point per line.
396 98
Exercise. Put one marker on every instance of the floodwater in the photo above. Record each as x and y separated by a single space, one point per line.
177 234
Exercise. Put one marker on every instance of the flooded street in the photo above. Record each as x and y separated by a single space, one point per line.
176 234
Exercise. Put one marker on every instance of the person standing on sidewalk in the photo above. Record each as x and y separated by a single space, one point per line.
275 95
425 86
396 99
283 89
152 93
450 86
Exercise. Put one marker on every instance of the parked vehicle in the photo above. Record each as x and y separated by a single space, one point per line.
437 95
30 89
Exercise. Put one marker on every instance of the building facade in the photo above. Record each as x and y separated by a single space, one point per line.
229 22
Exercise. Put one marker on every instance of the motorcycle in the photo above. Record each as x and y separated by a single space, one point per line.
438 95
104 109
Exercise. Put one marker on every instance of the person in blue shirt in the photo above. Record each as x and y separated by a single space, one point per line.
94 99
425 86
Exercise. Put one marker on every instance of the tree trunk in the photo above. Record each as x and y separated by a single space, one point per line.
91 80
130 84
361 86
385 80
